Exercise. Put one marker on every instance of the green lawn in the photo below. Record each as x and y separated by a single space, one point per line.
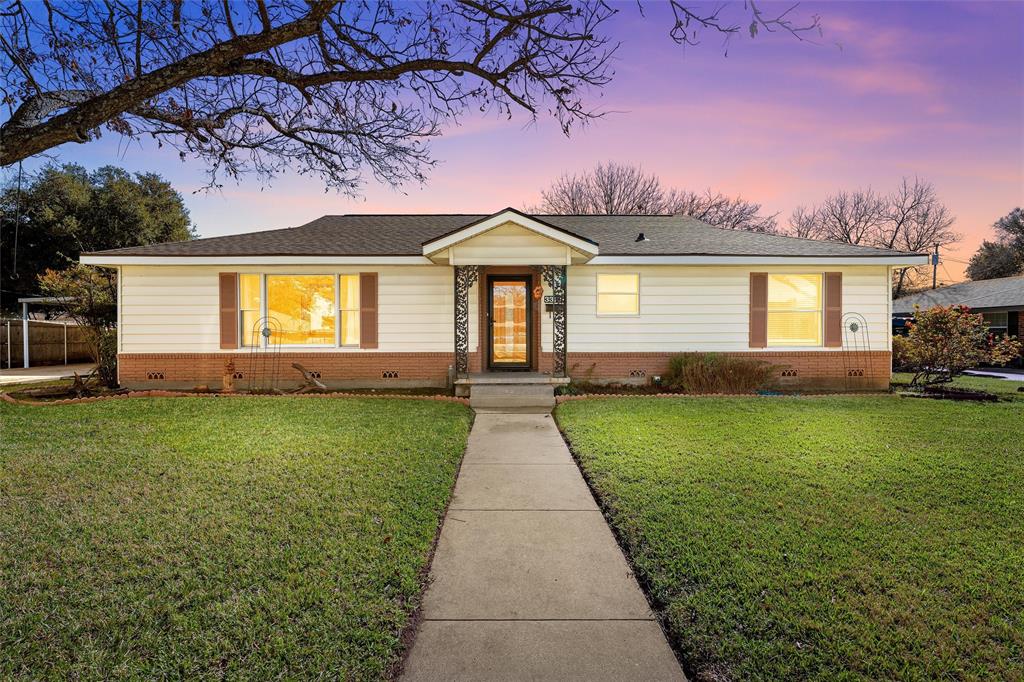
249 538
1004 388
825 538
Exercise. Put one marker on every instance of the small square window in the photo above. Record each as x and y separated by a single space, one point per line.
618 294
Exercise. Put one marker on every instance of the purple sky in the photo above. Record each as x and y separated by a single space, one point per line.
920 88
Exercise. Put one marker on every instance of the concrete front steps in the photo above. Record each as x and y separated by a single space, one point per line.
518 392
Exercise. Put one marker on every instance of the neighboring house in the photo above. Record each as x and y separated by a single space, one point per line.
406 300
1000 301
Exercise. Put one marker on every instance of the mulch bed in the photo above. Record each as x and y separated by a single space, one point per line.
6 397
944 393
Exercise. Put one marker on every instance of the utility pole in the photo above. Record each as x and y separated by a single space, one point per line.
935 267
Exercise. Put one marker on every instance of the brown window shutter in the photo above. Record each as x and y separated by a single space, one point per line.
229 310
833 309
758 309
367 309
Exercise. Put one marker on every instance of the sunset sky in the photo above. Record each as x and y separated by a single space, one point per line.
928 89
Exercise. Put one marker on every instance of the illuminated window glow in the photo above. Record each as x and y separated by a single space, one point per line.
618 294
249 308
348 302
794 310
303 306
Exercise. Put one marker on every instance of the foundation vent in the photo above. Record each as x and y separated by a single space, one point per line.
238 375
855 372
315 374
789 373
155 376
389 374
637 373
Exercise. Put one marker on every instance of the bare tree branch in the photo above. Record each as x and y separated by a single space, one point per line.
911 218
325 87
618 189
329 87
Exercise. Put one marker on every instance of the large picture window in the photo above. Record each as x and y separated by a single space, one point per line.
794 310
618 294
306 310
304 307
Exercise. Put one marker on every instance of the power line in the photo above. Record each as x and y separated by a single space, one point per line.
946 271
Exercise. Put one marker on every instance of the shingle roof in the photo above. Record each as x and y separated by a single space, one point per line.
1005 292
404 235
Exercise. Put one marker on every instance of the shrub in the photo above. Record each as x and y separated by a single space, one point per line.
716 373
901 354
944 341
89 296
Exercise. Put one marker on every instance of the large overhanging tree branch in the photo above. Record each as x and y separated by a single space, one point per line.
316 86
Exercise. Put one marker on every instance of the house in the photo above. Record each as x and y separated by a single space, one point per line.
422 300
1000 301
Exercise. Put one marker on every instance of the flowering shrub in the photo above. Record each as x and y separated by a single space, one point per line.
944 341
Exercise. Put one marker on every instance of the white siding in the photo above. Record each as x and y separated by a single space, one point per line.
168 309
510 244
701 308
682 308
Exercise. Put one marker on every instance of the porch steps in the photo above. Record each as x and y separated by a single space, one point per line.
522 392
525 397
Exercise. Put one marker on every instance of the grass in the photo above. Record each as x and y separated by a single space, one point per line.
249 538
819 538
1004 388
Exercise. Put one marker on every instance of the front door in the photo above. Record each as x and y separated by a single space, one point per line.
508 310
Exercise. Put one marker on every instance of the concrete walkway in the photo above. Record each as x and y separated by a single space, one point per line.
527 581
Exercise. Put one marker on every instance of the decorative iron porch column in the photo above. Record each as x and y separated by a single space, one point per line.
554 277
465 278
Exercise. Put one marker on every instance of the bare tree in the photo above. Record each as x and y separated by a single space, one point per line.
324 87
911 218
715 208
850 217
621 189
609 189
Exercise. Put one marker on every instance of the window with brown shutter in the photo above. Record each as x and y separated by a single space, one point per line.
229 310
758 309
367 309
833 309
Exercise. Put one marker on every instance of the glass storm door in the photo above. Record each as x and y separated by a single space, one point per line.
509 311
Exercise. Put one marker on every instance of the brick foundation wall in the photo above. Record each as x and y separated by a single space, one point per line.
797 369
337 370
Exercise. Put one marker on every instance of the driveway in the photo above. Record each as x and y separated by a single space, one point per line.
19 375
